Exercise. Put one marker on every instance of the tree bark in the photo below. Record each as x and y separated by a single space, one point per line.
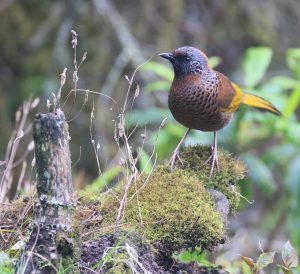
50 242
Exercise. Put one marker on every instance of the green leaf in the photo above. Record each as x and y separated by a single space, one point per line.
255 64
292 103
213 61
175 130
145 164
167 139
105 179
293 60
4 258
6 264
32 85
289 255
280 83
281 154
249 261
188 256
293 186
259 173
264 260
161 85
148 116
161 70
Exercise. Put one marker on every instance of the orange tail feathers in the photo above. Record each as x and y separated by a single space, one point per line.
259 103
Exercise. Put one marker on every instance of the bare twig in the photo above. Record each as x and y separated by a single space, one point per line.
17 135
82 106
78 160
22 215
154 162
132 177
87 268
74 43
30 252
75 72
29 149
63 77
95 147
21 177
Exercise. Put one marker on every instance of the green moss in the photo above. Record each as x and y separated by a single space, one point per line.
225 180
88 198
173 211
117 265
68 265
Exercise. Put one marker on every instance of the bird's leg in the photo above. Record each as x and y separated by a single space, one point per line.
214 156
175 155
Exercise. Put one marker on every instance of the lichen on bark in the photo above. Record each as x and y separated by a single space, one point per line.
50 242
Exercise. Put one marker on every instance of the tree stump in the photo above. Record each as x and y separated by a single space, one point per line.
50 240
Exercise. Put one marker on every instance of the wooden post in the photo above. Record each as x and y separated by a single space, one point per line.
54 208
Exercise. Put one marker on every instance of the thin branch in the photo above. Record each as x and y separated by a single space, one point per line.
79 157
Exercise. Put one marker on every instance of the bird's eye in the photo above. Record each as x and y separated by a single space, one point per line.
187 58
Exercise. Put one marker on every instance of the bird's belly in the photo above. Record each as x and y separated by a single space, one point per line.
195 115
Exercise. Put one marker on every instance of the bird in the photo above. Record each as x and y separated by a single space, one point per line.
204 99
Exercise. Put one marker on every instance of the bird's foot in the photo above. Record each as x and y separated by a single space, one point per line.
214 161
174 158
213 158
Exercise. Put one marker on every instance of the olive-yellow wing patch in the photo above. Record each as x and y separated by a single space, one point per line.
230 96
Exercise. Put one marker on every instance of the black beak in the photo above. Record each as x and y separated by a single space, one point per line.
167 55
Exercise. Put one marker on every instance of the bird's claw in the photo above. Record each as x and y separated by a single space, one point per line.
214 161
213 158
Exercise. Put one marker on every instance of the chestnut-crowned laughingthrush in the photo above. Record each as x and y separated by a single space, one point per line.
204 99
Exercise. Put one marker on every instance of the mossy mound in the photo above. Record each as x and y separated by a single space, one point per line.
225 180
178 209
173 210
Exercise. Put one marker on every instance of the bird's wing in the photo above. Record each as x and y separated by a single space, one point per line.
230 96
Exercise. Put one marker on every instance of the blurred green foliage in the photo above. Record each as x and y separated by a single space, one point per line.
289 260
196 255
106 179
6 264
255 65
269 145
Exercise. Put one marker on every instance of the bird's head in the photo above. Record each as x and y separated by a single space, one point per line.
187 60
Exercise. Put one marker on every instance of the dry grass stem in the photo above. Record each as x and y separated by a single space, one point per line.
12 148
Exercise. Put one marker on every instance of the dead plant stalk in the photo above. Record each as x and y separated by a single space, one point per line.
123 134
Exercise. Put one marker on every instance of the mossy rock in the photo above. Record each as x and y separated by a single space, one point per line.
224 180
178 209
173 210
